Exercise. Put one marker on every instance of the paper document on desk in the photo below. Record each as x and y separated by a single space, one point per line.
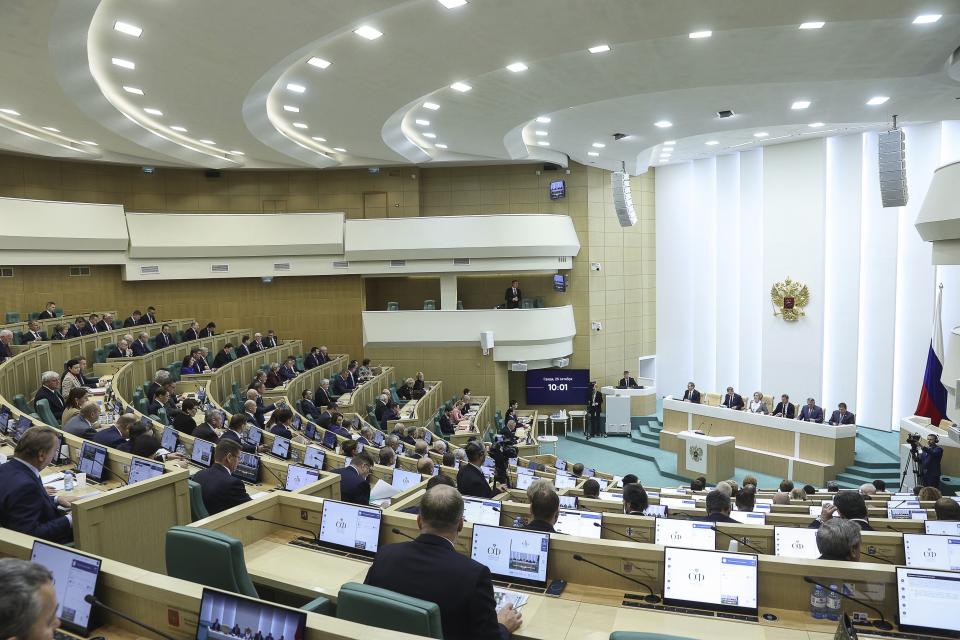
53 478
503 597
383 490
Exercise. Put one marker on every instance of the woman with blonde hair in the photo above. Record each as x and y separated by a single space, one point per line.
758 404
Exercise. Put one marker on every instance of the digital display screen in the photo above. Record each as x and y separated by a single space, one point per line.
685 533
513 555
558 386
254 436
248 469
74 577
932 552
942 527
202 453
568 502
231 611
378 438
329 440
298 476
169 439
280 448
926 600
794 542
310 431
524 481
749 517
403 480
907 514
143 469
561 481
656 511
579 523
710 580
559 282
480 511
558 189
93 458
20 428
313 457
678 503
349 526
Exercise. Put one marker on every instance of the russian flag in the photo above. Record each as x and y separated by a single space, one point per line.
933 395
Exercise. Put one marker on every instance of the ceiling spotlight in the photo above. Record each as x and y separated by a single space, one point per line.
422 122
712 143
543 119
127 28
433 106
10 112
179 129
340 149
516 67
126 64
296 88
368 32
234 152
206 141
541 133
300 125
319 63
462 87
89 142
51 129
440 146
600 48
800 104
137 91
927 19
543 143
598 145
291 108
452 4
153 112
594 154
318 139
698 35
726 113
663 124
429 135
812 25
670 142
760 134
815 125
877 100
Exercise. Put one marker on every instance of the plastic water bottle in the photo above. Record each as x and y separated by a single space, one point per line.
818 602
68 481
833 604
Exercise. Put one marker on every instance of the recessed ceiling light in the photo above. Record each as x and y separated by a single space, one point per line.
543 143
89 142
422 122
318 139
800 104
543 120
452 4
153 112
51 129
541 133
670 142
760 134
127 28
711 143
927 19
296 88
134 90
593 153
319 63
429 135
815 125
440 146
697 35
462 87
234 152
598 145
877 100
340 149
812 25
10 112
300 125
516 67
126 64
600 48
368 32
663 124
433 106
291 108
206 141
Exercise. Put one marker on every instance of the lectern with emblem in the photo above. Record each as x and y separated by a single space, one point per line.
712 457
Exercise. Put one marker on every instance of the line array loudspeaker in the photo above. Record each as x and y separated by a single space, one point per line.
893 169
623 199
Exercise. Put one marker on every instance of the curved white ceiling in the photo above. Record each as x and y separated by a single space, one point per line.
215 77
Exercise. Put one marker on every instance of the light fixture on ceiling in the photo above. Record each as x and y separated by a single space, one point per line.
153 112
127 28
178 129
543 119
600 48
462 87
593 154
428 134
452 4
295 88
541 132
235 152
929 18
126 64
670 142
440 146
300 125
318 139
725 113
422 122
712 143
699 35
877 100
516 67
598 145
812 25
291 108
51 129
800 104
368 32
10 112
137 91
815 125
761 134
89 142
340 149
433 106
206 141
663 124
543 143
319 63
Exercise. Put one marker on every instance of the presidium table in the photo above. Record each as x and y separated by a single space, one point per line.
805 451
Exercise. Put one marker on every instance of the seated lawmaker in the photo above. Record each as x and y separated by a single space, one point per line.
635 500
544 506
470 479
273 376
192 333
201 357
59 332
184 421
84 422
77 397
447 426
354 479
312 359
746 498
140 346
209 330
220 489
758 404
50 391
223 356
387 457
691 394
839 539
189 364
25 505
405 390
78 328
133 319
591 489
842 416
209 429
281 423
342 383
117 434
718 507
425 467
289 369
848 505
235 431
121 350
430 568
732 400
72 377
49 312
33 333
28 610
105 323
626 382
811 412
785 408
947 509
165 338
307 407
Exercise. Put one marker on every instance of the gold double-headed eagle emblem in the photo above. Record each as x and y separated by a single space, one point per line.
789 298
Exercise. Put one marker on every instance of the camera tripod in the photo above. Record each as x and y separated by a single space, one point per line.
912 465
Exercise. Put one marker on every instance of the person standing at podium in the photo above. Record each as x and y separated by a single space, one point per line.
811 412
733 400
842 416
512 296
594 407
691 394
785 408
626 382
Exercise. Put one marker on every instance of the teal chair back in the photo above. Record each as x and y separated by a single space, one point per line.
393 394
235 389
198 510
393 306
459 305
33 315
142 405
117 324
43 410
162 416
58 312
429 305
372 419
21 403
538 303
643 635
526 303
13 316
99 354
210 558
386 609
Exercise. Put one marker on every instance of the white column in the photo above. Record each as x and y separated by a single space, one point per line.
728 270
754 296
949 275
703 244
448 292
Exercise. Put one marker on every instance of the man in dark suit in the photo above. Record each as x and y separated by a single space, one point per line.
32 333
140 346
212 421
312 359
380 407
78 328
192 332
326 416
626 382
732 400
512 296
811 412
691 394
354 485
25 505
544 506
117 434
243 349
785 408
92 321
50 391
447 427
430 568
321 397
470 479
59 333
257 343
342 383
718 507
224 356
271 340
149 317
324 356
848 505
49 313
105 323
209 330
121 350
839 539
289 369
594 408
6 339
165 338
133 319
842 416
220 490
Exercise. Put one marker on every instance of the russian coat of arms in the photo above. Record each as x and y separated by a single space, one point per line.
789 298
696 453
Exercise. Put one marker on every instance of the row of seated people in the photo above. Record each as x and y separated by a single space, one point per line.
809 412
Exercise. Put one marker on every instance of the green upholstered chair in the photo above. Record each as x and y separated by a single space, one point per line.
142 405
198 510
216 560
99 354
459 305
43 410
526 303
235 389
58 312
13 316
429 305
393 306
643 635
117 324
394 396
20 403
162 417
33 315
372 419
386 609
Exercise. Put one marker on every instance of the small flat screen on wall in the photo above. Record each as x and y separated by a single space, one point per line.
558 386
558 189
559 282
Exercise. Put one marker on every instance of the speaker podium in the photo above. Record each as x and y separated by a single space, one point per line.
712 457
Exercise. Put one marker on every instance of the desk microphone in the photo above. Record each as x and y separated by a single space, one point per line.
737 540
881 624
92 599
280 485
401 533
116 475
893 529
870 555
314 536
622 535
652 598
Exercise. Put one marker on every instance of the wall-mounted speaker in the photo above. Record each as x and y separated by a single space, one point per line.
486 341
893 168
623 199
518 366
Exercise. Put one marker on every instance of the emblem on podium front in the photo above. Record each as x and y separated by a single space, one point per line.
789 297
696 453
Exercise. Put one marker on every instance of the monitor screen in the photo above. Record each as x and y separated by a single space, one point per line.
589 473
22 425
74 577
488 462
403 480
715 580
749 517
794 542
254 436
378 438
558 386
4 419
513 555
561 481
568 502
229 612
280 448
579 523
932 552
169 439
656 510
558 189
525 471
143 469
766 508
480 511
202 452
329 440
559 282
350 526
146 422
942 528
298 476
685 533
313 457
310 431
924 598
524 481
248 469
560 464
678 503
907 514
815 511
611 496
93 458
427 436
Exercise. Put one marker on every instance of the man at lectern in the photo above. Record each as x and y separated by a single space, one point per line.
785 408
691 394
733 400
626 382
811 412
842 416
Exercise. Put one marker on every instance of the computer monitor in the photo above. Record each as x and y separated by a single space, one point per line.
589 472
766 508
656 511
403 480
603 483
924 598
480 511
932 552
350 527
143 469
907 514
579 523
202 453
524 471
678 503
941 528
280 448
93 459
427 436
230 610
313 457
749 517
611 496
568 502
75 576
378 438
169 439
561 481
487 472
685 533
4 419
715 580
298 476
903 503
21 427
524 481
310 431
146 422
254 436
814 511
329 440
296 422
248 469
489 462
560 464
795 542
512 555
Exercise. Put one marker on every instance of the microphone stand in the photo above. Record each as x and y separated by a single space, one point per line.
737 540
652 598
314 536
622 535
92 599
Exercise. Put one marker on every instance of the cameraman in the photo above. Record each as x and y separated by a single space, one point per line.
930 457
